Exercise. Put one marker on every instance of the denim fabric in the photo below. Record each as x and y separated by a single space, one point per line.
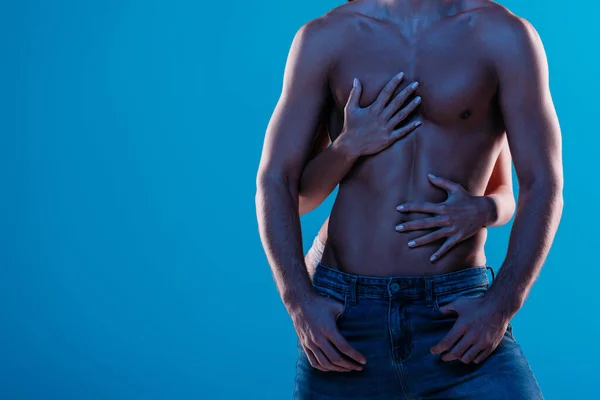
394 322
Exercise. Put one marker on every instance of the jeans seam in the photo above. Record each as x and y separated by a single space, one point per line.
397 365
404 384
461 289
329 285
436 305
344 312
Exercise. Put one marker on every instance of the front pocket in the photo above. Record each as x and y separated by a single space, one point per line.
335 295
444 299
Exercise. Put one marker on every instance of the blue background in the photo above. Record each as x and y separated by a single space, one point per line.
131 266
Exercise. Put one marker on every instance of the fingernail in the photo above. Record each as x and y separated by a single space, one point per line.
418 123
432 258
355 83
400 75
418 99
414 85
431 175
399 208
399 227
412 243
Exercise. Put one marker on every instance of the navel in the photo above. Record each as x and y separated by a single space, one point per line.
465 114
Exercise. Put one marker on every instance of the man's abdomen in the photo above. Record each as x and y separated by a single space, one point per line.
364 241
361 235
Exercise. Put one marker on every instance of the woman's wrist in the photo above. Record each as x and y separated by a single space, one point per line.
344 148
489 209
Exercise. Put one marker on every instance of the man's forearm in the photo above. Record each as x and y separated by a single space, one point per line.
279 227
322 174
539 211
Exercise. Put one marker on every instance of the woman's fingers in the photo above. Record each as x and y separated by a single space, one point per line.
393 109
425 223
430 237
404 113
387 92
401 132
446 184
429 208
355 94
448 244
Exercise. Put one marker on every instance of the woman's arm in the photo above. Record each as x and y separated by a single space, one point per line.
499 191
462 215
328 165
366 131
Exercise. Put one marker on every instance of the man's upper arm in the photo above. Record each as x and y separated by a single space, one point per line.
530 118
295 121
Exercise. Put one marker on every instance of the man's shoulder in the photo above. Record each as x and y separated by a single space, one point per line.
500 29
330 30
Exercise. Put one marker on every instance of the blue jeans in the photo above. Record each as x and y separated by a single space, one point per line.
394 322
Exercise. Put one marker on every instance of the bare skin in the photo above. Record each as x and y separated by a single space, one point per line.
458 218
483 76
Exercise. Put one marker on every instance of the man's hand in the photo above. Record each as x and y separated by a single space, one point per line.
476 333
458 218
325 347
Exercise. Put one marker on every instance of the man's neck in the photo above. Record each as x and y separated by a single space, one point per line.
401 9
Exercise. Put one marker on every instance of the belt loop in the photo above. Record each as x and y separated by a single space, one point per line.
353 290
429 290
492 271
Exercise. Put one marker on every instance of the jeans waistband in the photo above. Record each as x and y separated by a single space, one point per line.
416 287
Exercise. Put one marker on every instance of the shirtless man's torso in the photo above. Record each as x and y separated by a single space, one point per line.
380 320
445 48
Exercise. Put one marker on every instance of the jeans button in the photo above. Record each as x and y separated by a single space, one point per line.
395 287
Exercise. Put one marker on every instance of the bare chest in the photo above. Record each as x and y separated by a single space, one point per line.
456 85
